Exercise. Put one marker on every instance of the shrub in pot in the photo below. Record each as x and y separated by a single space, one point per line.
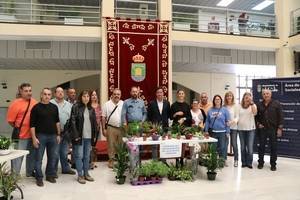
212 162
8 181
4 145
121 164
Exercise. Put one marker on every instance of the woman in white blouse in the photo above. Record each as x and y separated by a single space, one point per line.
198 115
233 112
246 128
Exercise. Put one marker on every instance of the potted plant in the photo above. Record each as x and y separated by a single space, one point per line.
8 181
212 162
162 170
157 131
144 172
4 145
189 132
180 173
121 165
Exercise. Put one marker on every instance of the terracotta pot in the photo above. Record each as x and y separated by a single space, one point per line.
188 136
142 178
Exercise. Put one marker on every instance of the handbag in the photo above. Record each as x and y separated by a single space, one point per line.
16 130
210 129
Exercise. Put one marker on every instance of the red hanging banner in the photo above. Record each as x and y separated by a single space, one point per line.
137 56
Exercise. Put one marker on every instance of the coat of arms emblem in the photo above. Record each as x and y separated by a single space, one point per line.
138 68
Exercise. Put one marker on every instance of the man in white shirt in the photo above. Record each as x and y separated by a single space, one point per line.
111 123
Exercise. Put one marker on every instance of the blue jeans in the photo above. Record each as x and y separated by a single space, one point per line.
247 141
221 144
62 152
24 144
82 157
233 141
48 142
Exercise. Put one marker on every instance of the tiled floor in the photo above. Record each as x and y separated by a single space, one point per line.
231 183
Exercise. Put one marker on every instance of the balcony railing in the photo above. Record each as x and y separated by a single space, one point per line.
136 9
220 20
36 13
295 22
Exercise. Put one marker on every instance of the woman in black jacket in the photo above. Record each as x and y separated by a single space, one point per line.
84 134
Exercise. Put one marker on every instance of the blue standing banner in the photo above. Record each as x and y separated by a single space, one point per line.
287 92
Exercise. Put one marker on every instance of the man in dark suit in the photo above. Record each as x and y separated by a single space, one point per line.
159 112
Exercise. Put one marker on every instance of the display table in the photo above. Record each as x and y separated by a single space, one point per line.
169 148
13 155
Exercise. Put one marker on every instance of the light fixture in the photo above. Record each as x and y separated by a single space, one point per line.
263 5
224 3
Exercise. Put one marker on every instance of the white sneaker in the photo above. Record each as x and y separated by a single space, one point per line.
235 163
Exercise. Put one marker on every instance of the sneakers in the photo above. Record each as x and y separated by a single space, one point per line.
110 164
51 179
235 163
40 183
260 166
89 178
81 180
273 168
71 172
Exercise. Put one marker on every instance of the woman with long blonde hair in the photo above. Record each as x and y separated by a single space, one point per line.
246 128
233 109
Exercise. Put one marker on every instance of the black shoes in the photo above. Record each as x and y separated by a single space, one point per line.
40 183
273 168
71 172
51 179
250 166
31 175
243 166
260 166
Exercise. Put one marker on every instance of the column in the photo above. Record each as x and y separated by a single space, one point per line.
107 11
165 13
284 55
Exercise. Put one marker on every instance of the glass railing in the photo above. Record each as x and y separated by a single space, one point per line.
136 9
295 22
25 11
220 20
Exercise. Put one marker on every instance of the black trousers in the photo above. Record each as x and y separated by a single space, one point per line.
263 134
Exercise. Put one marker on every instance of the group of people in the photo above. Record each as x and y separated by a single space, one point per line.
56 123
52 125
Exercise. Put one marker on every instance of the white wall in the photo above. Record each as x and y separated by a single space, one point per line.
37 78
212 83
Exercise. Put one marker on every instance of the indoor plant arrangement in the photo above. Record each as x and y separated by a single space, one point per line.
180 173
4 145
133 129
189 132
212 162
177 130
121 165
8 182
152 170
157 131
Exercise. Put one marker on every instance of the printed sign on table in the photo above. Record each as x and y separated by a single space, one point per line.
170 149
